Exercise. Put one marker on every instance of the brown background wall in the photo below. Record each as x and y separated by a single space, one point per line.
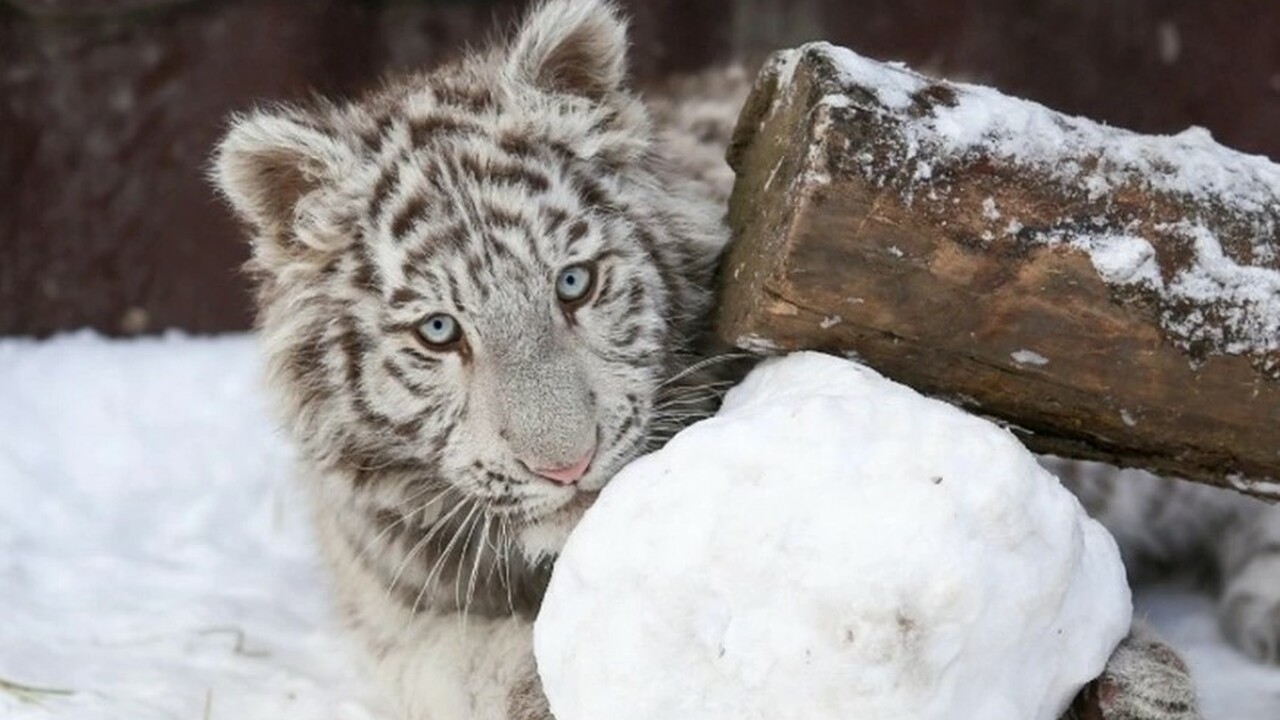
108 108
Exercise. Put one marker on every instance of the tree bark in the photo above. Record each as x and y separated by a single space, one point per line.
1107 295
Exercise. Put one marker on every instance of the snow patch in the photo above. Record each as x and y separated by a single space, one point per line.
1245 299
893 90
756 344
1255 486
1123 259
989 210
1028 357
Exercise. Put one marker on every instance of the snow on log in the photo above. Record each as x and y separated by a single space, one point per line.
1109 295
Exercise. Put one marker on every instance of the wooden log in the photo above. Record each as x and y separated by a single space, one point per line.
1108 295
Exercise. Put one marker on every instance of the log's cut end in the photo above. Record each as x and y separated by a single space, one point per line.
1109 295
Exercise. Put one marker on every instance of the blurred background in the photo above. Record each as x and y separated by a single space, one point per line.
109 108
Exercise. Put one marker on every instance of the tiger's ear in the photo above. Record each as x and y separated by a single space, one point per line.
269 161
572 46
271 166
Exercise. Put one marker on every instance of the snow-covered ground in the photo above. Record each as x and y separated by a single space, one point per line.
155 561
154 556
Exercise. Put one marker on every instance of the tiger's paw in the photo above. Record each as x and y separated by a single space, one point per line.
1145 679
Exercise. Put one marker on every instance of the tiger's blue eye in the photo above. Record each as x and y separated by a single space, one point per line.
439 330
574 282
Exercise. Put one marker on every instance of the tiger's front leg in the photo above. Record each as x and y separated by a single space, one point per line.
445 668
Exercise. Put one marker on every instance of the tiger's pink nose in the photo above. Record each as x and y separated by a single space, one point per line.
569 474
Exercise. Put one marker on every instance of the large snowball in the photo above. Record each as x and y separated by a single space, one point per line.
832 545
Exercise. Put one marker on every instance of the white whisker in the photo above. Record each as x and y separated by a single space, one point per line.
702 365
475 565
404 518
426 538
444 554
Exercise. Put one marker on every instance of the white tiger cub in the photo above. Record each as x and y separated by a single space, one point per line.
481 291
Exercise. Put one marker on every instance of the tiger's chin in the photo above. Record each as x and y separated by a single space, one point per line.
543 536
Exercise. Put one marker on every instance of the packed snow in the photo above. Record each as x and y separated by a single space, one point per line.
834 536
156 562
1227 302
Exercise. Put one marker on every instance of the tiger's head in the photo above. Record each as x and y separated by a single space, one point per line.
479 280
